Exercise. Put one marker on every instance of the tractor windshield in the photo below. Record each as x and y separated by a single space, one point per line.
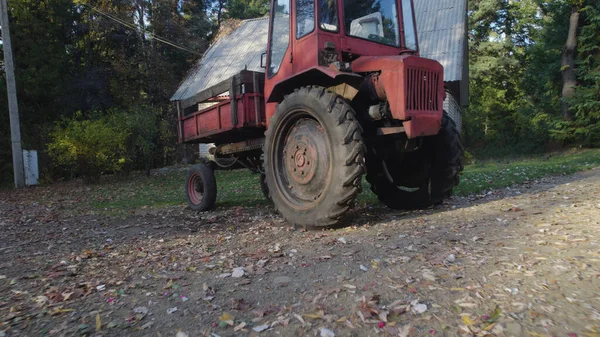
377 20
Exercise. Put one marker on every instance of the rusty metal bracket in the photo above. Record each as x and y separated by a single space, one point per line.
247 145
390 130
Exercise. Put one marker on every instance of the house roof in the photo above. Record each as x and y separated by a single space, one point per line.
441 24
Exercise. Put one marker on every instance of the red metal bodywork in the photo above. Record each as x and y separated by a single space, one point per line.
413 86
216 123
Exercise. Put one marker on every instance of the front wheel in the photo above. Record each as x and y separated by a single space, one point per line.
201 188
314 157
423 178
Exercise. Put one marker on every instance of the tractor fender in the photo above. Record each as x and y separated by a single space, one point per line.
319 75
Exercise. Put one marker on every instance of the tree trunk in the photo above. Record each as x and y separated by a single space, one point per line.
567 62
219 13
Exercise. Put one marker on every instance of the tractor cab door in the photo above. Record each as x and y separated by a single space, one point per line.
279 50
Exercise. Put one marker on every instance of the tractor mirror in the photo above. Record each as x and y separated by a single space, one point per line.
263 60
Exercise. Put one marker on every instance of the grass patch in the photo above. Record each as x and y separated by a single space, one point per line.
241 188
235 188
498 173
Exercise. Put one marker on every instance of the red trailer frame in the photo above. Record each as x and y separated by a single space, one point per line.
235 111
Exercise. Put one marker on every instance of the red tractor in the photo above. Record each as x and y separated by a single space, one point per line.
344 94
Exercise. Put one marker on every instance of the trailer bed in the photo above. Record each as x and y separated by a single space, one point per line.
230 111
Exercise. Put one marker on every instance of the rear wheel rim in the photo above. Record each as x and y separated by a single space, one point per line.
195 189
301 160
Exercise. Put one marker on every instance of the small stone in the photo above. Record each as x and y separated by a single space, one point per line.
238 272
419 308
429 275
101 287
342 240
513 329
282 281
181 334
457 276
326 333
171 310
450 258
363 268
140 310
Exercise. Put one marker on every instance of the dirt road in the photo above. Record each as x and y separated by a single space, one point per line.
523 261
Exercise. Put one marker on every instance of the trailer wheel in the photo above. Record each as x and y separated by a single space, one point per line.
201 188
314 157
412 190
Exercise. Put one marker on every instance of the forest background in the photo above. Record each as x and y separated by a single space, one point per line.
94 78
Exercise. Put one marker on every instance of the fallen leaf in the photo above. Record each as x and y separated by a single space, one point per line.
316 315
260 328
404 331
467 320
226 318
98 322
239 327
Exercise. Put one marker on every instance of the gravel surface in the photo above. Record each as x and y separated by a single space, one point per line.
521 261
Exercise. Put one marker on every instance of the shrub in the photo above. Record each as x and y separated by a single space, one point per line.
89 148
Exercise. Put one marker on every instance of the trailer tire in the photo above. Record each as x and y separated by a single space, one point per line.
314 157
444 169
201 188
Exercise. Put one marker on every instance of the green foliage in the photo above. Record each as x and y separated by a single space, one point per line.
585 128
89 147
90 62
516 83
247 9
143 123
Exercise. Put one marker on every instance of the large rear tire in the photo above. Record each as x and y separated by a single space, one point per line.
314 157
201 188
439 163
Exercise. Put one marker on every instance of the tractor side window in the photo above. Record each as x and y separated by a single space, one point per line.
410 35
373 20
305 17
328 15
280 34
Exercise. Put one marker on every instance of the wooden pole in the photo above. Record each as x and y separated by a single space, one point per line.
13 107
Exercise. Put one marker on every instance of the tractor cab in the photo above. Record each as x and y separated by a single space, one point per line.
308 33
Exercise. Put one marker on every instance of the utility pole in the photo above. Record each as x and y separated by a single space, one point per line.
13 107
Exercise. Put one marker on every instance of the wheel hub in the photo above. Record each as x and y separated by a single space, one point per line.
305 160
300 165
196 188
